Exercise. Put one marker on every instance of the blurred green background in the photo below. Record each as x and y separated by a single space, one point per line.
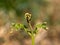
41 10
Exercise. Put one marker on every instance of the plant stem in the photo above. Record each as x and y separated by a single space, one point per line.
33 39
30 26
32 34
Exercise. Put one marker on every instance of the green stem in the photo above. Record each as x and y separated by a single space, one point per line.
30 26
32 34
33 39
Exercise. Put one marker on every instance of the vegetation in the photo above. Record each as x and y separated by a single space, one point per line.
32 31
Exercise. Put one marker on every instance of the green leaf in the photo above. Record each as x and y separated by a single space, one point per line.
38 25
18 26
42 25
21 26
35 31
29 32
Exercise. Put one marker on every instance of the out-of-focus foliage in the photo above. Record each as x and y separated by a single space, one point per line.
21 5
17 5
41 10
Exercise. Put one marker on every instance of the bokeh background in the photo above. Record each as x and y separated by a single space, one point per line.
41 10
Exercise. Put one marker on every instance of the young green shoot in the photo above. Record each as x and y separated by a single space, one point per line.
32 31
